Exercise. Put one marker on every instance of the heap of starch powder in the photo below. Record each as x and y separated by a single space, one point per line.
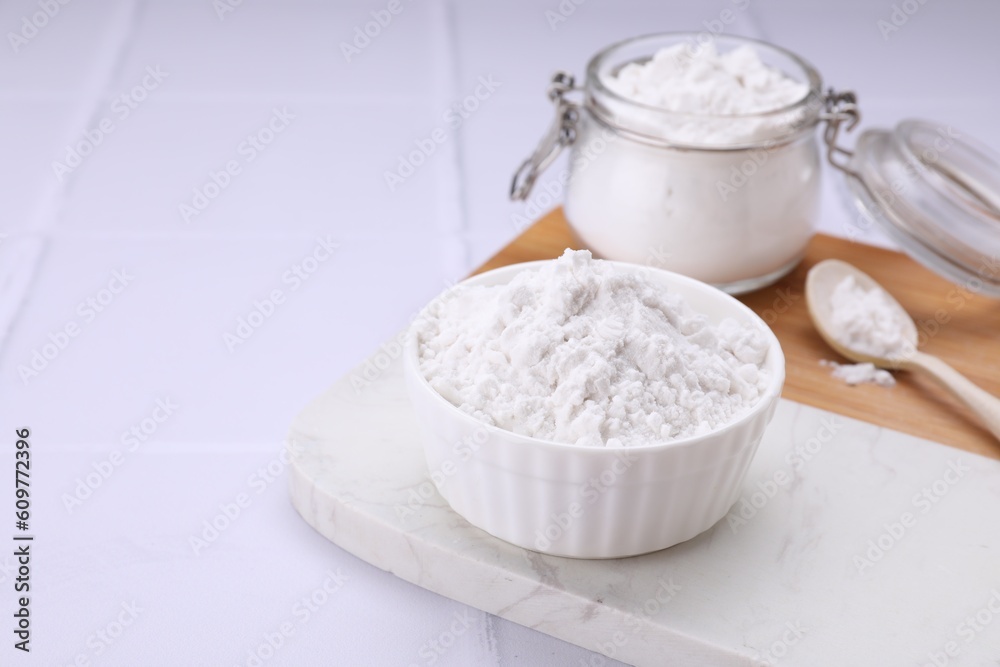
866 321
703 81
854 374
582 353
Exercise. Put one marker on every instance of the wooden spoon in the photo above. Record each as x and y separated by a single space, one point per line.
820 283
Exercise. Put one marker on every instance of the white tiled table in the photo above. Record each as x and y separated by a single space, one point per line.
322 177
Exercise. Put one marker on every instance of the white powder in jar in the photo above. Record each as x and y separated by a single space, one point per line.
737 218
706 83
866 321
582 353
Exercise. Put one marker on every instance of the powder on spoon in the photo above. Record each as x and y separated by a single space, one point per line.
867 321
580 352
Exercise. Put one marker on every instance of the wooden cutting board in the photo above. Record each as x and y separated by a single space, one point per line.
958 325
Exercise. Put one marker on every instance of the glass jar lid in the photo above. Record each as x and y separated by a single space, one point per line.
936 192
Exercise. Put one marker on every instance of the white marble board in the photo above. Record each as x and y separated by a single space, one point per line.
857 545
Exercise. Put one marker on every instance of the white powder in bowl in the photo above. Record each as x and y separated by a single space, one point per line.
580 352
854 374
866 321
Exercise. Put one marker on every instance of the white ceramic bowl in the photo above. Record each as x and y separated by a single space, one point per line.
593 502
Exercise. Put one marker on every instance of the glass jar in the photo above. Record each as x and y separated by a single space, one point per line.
732 200
728 199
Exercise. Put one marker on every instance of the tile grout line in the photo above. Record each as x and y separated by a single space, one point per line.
306 234
449 179
338 98
24 257
20 262
114 57
106 68
451 188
